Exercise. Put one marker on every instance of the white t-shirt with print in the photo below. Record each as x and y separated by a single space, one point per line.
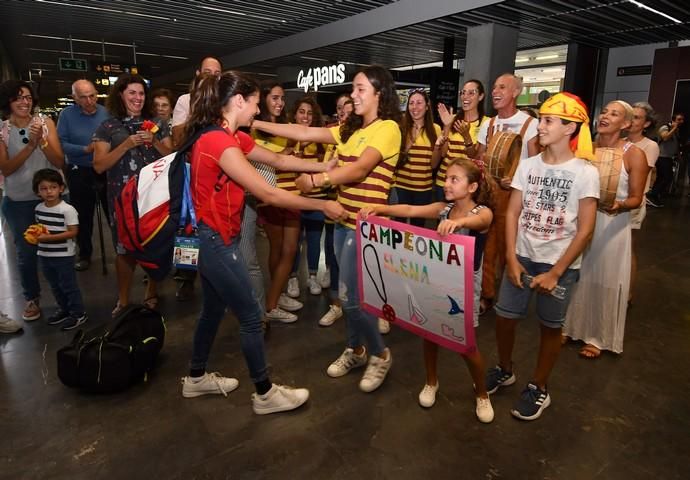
550 201
511 124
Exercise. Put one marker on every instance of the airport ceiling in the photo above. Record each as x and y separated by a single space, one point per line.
260 36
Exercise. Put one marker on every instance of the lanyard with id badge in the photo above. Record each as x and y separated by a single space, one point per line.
186 252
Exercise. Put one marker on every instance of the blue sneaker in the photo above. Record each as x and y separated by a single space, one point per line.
497 377
532 402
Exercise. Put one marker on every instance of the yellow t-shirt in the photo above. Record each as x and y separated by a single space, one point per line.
384 136
416 174
274 144
456 149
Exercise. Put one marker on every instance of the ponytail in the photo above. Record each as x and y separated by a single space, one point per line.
210 93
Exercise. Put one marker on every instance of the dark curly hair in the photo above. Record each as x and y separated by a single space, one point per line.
9 91
46 175
115 105
317 116
389 103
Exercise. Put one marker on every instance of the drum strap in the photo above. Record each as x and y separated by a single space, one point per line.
522 130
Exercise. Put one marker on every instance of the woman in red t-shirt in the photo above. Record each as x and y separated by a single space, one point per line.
220 173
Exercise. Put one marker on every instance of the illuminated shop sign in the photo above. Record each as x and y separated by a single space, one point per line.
320 77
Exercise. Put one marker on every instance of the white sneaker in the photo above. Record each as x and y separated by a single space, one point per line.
427 397
279 399
346 362
325 280
334 313
314 287
210 384
289 304
384 326
281 315
484 410
10 325
376 372
293 287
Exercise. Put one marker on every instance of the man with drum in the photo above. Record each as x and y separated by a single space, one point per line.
504 94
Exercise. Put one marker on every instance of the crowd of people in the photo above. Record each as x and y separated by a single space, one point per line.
550 229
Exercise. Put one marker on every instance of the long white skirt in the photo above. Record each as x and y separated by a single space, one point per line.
599 304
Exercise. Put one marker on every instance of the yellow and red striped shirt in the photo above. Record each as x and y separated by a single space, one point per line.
417 174
384 136
456 149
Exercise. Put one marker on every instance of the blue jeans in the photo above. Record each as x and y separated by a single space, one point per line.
410 197
360 324
19 216
60 273
224 281
247 246
312 226
331 260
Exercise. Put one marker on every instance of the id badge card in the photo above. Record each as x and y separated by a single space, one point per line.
186 252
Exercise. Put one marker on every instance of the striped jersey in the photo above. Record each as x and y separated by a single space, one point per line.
384 136
417 174
274 144
56 219
456 149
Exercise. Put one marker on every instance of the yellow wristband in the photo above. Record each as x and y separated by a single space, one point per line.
326 179
44 144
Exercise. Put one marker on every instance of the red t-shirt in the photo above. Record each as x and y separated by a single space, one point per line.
218 200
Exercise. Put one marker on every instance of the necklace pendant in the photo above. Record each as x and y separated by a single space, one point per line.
388 313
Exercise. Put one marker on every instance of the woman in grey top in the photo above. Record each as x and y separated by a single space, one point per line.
28 143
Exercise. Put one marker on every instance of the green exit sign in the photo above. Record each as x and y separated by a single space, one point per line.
73 64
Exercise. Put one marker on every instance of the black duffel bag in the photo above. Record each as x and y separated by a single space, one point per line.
114 356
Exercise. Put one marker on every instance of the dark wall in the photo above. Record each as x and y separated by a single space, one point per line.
670 65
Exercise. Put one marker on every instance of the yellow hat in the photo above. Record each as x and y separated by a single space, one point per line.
569 107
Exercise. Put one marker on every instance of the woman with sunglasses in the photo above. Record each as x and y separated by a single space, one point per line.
460 131
28 143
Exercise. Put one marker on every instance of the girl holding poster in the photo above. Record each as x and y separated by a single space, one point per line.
368 146
467 211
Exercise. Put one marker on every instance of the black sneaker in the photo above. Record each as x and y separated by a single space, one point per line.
57 318
533 400
497 377
73 322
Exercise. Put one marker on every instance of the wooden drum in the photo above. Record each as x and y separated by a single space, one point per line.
503 154
609 162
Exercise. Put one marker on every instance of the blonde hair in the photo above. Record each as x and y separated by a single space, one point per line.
627 107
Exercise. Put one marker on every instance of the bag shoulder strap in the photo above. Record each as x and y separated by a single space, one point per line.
490 131
525 125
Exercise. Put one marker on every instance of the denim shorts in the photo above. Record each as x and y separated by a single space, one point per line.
513 301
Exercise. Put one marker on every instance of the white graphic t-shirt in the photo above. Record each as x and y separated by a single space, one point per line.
550 200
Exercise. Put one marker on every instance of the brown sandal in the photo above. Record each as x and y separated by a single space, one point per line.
590 352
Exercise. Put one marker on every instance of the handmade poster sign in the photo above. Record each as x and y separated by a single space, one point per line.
418 280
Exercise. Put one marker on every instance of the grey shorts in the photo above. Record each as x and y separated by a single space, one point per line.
513 302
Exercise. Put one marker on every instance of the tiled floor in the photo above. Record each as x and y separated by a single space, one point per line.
618 417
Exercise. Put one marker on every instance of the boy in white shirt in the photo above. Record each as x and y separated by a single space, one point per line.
549 222
56 249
